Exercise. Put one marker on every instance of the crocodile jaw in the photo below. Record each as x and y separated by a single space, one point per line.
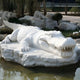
64 46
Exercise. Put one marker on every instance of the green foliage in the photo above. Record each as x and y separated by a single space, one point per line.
60 9
5 30
75 9
14 20
57 16
77 0
70 34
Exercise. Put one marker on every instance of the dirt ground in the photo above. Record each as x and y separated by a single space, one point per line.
72 18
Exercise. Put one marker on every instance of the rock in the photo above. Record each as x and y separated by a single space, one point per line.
2 36
42 23
39 15
49 15
75 33
77 74
78 25
67 26
38 22
10 52
6 15
1 22
77 49
60 21
26 18
51 24
33 21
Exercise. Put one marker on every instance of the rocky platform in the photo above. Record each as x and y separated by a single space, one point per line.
10 52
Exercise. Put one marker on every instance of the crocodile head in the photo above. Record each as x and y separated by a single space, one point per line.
56 43
63 46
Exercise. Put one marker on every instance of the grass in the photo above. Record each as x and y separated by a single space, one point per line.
68 33
65 33
5 30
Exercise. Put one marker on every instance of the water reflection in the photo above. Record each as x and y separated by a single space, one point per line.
12 71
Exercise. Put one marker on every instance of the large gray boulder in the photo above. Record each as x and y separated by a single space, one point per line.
67 26
77 74
60 21
10 52
78 25
1 22
33 21
39 15
51 24
6 15
49 15
38 22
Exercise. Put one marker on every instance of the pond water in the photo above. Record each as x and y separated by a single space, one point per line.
13 71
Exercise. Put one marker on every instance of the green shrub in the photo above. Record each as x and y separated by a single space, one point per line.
5 30
57 16
75 9
60 9
14 20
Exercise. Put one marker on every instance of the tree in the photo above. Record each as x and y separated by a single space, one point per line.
20 4
76 9
44 5
7 5
23 6
77 1
32 6
0 4
66 7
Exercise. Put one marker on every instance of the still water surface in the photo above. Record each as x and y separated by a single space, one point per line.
13 71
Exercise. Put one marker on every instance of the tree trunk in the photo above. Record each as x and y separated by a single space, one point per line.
20 7
44 6
66 10
5 7
23 5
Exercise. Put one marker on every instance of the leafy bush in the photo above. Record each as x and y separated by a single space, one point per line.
14 20
75 9
5 30
60 9
57 16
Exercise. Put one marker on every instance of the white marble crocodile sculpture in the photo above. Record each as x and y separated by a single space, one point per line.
52 41
51 48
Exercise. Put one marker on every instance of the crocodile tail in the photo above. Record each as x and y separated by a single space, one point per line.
13 26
